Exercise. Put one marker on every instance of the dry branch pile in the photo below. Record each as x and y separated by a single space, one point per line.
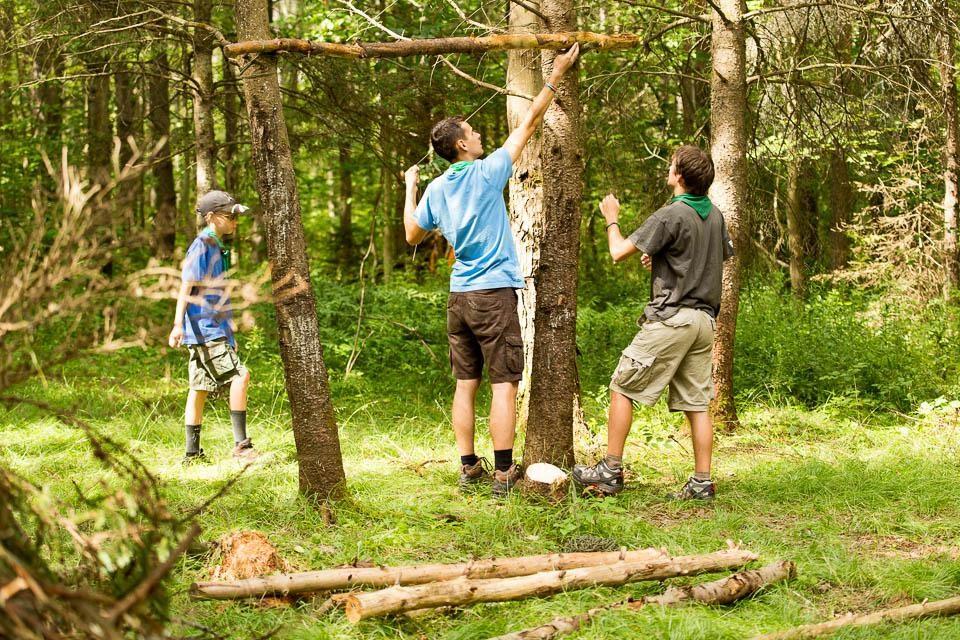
422 587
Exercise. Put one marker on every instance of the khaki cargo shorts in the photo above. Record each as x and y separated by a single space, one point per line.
483 326
675 352
213 365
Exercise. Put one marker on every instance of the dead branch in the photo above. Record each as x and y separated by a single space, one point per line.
435 46
948 607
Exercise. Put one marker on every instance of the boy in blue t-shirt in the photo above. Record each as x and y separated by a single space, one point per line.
204 323
466 205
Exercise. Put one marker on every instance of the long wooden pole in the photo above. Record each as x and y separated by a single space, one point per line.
467 591
352 577
948 607
435 46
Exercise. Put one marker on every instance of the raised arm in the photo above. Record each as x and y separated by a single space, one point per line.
620 247
521 135
414 232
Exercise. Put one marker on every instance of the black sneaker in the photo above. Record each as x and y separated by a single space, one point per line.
474 474
600 478
503 481
695 490
194 458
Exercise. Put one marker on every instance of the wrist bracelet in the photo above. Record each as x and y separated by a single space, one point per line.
550 86
611 224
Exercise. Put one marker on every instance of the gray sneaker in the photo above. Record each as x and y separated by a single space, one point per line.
600 478
472 475
695 490
503 481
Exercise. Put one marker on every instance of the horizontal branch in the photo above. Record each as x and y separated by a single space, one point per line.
435 46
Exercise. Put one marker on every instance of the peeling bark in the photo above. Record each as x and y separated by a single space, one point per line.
527 212
553 382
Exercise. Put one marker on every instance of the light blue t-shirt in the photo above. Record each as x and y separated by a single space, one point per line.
212 318
468 208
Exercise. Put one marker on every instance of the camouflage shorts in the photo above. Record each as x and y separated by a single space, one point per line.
213 365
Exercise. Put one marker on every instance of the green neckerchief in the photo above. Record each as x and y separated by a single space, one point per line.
460 166
224 251
700 204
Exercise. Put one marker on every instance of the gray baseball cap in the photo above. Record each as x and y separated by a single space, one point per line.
219 201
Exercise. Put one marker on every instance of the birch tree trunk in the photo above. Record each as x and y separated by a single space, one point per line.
527 212
553 382
949 87
728 114
206 146
314 425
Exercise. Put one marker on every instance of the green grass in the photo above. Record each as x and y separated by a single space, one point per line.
864 500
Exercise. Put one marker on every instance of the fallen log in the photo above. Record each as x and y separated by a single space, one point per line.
723 591
283 584
948 607
470 591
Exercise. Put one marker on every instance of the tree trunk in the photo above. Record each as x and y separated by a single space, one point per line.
353 577
795 232
99 133
841 209
202 88
360 606
728 114
387 207
48 62
126 97
314 425
950 169
527 212
553 378
165 201
346 248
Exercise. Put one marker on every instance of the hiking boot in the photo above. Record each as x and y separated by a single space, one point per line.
503 481
244 451
695 490
600 478
194 458
474 474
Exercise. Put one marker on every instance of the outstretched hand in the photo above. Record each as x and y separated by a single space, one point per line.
566 60
412 176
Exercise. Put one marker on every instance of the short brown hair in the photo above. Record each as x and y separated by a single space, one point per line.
445 135
696 167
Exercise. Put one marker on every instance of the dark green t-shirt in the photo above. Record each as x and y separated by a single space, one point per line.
687 254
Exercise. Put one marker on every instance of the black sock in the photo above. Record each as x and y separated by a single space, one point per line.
193 439
239 420
471 459
502 459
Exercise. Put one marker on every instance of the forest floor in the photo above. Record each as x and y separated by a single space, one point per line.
864 501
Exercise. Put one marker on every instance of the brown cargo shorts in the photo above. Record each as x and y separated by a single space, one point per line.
675 352
483 326
213 365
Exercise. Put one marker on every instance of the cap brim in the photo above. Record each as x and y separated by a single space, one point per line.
240 209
